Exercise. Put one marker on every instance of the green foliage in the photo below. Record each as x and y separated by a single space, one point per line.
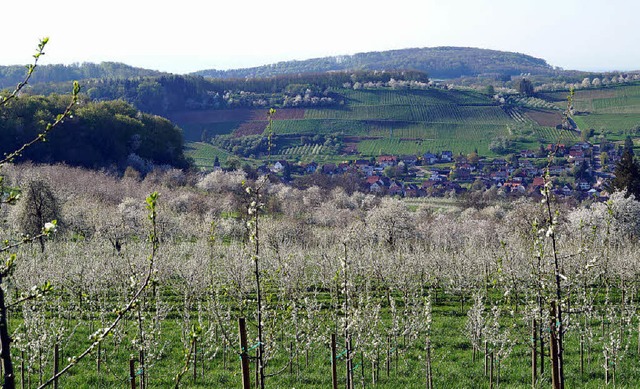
502 145
12 75
627 174
102 134
204 154
438 62
525 87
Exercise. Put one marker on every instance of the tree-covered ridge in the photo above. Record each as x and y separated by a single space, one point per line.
164 94
10 76
110 134
438 62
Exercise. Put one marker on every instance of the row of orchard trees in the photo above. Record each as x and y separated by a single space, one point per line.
302 265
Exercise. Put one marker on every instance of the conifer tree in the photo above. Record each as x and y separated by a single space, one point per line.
627 175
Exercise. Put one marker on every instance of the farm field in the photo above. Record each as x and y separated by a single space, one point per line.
388 121
382 121
204 154
416 140
609 122
614 108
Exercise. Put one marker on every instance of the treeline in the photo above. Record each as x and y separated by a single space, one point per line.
10 76
439 62
110 134
164 94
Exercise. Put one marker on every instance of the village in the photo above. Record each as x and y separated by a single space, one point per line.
579 171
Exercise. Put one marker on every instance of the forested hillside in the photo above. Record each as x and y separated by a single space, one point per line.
438 62
10 76
164 94
110 134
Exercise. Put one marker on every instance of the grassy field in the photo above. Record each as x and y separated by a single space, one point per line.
433 138
204 154
309 366
614 108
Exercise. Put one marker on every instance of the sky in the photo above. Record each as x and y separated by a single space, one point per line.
188 35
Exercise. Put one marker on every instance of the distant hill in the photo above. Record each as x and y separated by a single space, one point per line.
438 62
10 76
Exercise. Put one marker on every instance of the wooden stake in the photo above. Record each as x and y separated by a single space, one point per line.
534 353
334 371
388 354
132 372
22 369
491 370
56 364
556 380
429 369
195 360
244 356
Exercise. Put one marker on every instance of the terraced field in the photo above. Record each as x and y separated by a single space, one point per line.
387 121
407 121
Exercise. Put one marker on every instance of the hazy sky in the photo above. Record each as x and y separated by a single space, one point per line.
189 35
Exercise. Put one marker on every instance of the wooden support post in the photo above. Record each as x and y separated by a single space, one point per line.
491 382
56 364
22 369
334 371
534 353
388 354
556 380
195 360
244 356
132 373
429 368
143 380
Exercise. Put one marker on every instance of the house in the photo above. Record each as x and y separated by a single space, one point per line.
446 156
411 190
558 149
514 187
592 193
437 176
500 175
499 163
372 179
576 152
387 160
279 166
556 170
311 167
376 187
395 189
584 185
409 160
366 169
538 183
361 164
462 173
583 145
429 158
